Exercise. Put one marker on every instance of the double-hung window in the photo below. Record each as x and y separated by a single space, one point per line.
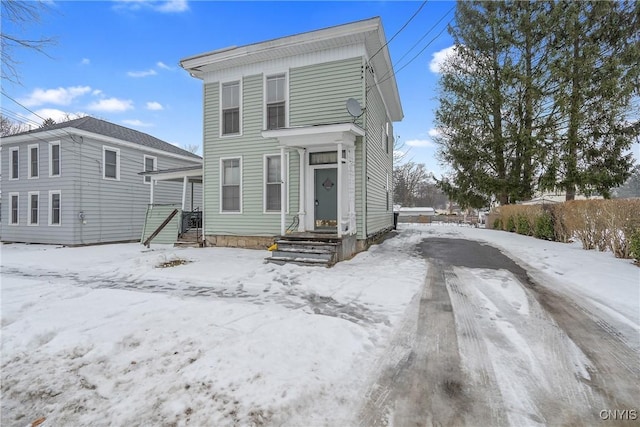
34 207
54 158
14 156
150 164
273 193
34 163
276 101
14 199
55 200
231 108
111 163
231 183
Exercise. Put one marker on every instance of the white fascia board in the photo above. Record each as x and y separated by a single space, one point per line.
314 130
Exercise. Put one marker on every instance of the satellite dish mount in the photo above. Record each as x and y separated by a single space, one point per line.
354 108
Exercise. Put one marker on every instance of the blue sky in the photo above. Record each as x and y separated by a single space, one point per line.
118 60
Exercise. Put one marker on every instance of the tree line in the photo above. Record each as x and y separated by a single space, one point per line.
539 96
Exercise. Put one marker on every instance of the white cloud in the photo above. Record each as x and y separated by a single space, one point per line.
164 6
136 122
440 57
142 73
173 6
85 61
420 143
112 105
155 106
164 66
96 92
56 115
433 132
59 96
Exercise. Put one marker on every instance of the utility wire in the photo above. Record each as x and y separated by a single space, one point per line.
32 112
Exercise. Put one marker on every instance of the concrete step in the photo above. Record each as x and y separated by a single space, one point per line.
293 253
298 261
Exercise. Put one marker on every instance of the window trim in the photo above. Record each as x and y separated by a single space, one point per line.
264 185
106 148
30 147
11 196
286 97
50 208
144 167
11 169
221 115
222 159
30 206
51 144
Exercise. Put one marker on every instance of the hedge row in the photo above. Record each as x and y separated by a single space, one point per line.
599 224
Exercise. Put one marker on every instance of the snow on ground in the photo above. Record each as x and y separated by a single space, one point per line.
100 336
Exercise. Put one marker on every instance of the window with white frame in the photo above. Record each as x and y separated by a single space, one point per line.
386 139
230 100
111 162
34 163
14 200
231 183
276 101
150 164
54 158
55 207
388 190
273 189
34 208
14 162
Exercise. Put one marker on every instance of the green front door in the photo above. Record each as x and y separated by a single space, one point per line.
326 198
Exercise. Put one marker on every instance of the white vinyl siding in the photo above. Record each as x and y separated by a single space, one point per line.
33 210
230 108
111 163
55 207
276 101
34 160
14 209
231 185
14 163
54 159
150 164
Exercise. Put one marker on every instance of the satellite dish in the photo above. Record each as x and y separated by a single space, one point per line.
354 108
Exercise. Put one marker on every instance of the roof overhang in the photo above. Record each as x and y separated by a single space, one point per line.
315 136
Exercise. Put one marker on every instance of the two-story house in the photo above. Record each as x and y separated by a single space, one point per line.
282 152
78 182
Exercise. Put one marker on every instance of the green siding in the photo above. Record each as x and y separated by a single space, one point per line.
155 217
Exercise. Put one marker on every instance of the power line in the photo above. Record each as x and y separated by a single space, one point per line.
32 112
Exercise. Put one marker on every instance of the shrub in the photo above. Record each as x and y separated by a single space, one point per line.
634 245
497 224
544 226
511 224
522 225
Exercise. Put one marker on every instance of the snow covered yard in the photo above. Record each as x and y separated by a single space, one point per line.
102 336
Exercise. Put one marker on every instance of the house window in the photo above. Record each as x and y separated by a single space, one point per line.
386 139
54 159
111 162
276 102
273 192
15 205
54 207
33 161
150 164
14 156
34 207
231 108
387 188
231 182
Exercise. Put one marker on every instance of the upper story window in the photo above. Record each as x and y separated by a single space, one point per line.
14 156
230 100
150 164
54 158
276 101
111 163
231 183
34 164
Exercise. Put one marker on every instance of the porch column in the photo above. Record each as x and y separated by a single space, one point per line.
283 199
185 181
339 195
302 201
152 184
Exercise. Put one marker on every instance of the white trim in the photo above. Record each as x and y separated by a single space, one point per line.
30 206
11 195
51 144
11 170
222 159
240 92
29 159
144 167
286 97
264 183
106 148
50 208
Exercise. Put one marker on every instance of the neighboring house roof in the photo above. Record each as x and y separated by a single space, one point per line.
112 130
368 32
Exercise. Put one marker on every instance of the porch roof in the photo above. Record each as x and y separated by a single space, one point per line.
317 135
192 173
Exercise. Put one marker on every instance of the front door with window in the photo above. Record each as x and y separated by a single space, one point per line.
326 198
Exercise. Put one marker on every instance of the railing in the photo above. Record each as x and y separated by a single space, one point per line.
191 220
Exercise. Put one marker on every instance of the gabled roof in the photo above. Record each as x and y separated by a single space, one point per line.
112 130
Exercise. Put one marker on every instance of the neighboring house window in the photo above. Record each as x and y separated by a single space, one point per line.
54 159
34 207
231 108
34 165
54 207
111 162
386 139
387 187
272 194
13 166
276 102
231 182
14 199
150 164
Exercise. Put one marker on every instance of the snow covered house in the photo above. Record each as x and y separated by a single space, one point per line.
78 182
298 140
